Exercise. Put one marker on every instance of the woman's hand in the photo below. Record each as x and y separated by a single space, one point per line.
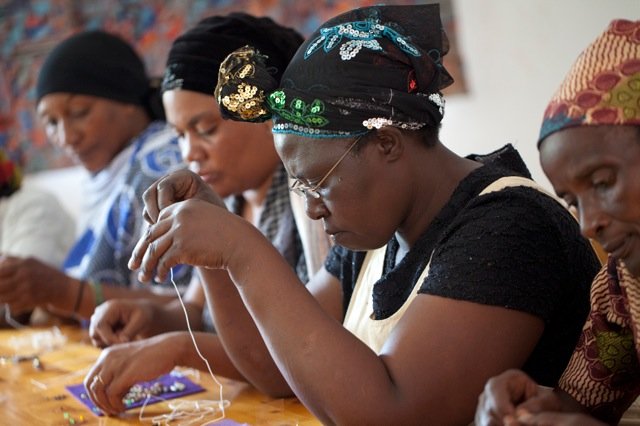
556 419
121 321
121 366
26 283
192 232
502 393
173 188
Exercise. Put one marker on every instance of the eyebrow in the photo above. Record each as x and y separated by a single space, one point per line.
42 114
194 120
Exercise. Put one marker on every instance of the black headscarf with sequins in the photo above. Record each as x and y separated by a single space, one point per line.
364 69
195 56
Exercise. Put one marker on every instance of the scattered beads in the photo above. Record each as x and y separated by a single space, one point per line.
140 392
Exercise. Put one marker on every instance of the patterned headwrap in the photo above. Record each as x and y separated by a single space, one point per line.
10 176
603 86
195 56
367 68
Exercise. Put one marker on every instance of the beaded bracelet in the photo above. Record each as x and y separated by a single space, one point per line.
79 296
97 293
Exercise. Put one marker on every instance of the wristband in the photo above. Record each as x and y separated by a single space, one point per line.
76 305
98 298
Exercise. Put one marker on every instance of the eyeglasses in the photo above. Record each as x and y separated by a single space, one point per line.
303 190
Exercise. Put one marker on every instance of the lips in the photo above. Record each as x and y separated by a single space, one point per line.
210 178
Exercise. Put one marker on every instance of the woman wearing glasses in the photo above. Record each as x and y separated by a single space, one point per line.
446 269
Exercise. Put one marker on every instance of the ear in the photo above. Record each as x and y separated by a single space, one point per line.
390 142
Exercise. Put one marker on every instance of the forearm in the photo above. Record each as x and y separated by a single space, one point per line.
337 376
79 297
239 334
211 349
168 317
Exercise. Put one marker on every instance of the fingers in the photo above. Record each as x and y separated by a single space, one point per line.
97 388
104 321
150 198
557 419
168 190
101 384
500 396
149 249
544 400
136 324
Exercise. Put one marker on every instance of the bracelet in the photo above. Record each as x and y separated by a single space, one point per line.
79 296
98 298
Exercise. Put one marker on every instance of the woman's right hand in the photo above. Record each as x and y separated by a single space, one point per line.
178 186
122 366
502 394
120 321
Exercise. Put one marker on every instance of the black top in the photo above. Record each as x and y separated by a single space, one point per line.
515 248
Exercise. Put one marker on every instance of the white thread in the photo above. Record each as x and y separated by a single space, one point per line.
202 408
9 319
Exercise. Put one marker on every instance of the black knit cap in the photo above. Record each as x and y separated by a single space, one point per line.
195 56
95 63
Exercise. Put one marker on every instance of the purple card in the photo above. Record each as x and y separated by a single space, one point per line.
180 385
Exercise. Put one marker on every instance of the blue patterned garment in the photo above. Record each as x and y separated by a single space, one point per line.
115 222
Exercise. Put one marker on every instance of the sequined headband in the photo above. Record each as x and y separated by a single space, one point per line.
242 95
360 71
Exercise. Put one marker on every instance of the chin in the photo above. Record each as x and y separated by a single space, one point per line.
633 265
355 244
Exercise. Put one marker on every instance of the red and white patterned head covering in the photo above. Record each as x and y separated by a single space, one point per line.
603 86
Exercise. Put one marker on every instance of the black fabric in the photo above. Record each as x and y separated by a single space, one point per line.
373 83
515 248
195 56
101 64
373 64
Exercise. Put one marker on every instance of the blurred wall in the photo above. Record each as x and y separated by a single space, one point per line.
515 55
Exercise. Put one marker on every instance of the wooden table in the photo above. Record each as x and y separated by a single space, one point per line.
37 396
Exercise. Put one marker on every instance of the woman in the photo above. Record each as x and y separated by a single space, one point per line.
238 160
95 100
425 272
590 150
33 223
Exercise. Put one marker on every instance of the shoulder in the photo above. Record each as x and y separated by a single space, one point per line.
516 247
33 198
513 212
157 150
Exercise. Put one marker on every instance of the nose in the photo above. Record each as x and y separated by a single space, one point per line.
315 208
593 219
192 150
66 135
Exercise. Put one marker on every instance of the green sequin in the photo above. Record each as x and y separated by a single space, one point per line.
299 111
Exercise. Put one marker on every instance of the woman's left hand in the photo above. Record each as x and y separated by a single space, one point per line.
26 283
192 232
555 419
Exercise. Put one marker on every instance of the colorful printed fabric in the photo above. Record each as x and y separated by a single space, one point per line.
114 210
604 372
603 86
367 68
10 176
